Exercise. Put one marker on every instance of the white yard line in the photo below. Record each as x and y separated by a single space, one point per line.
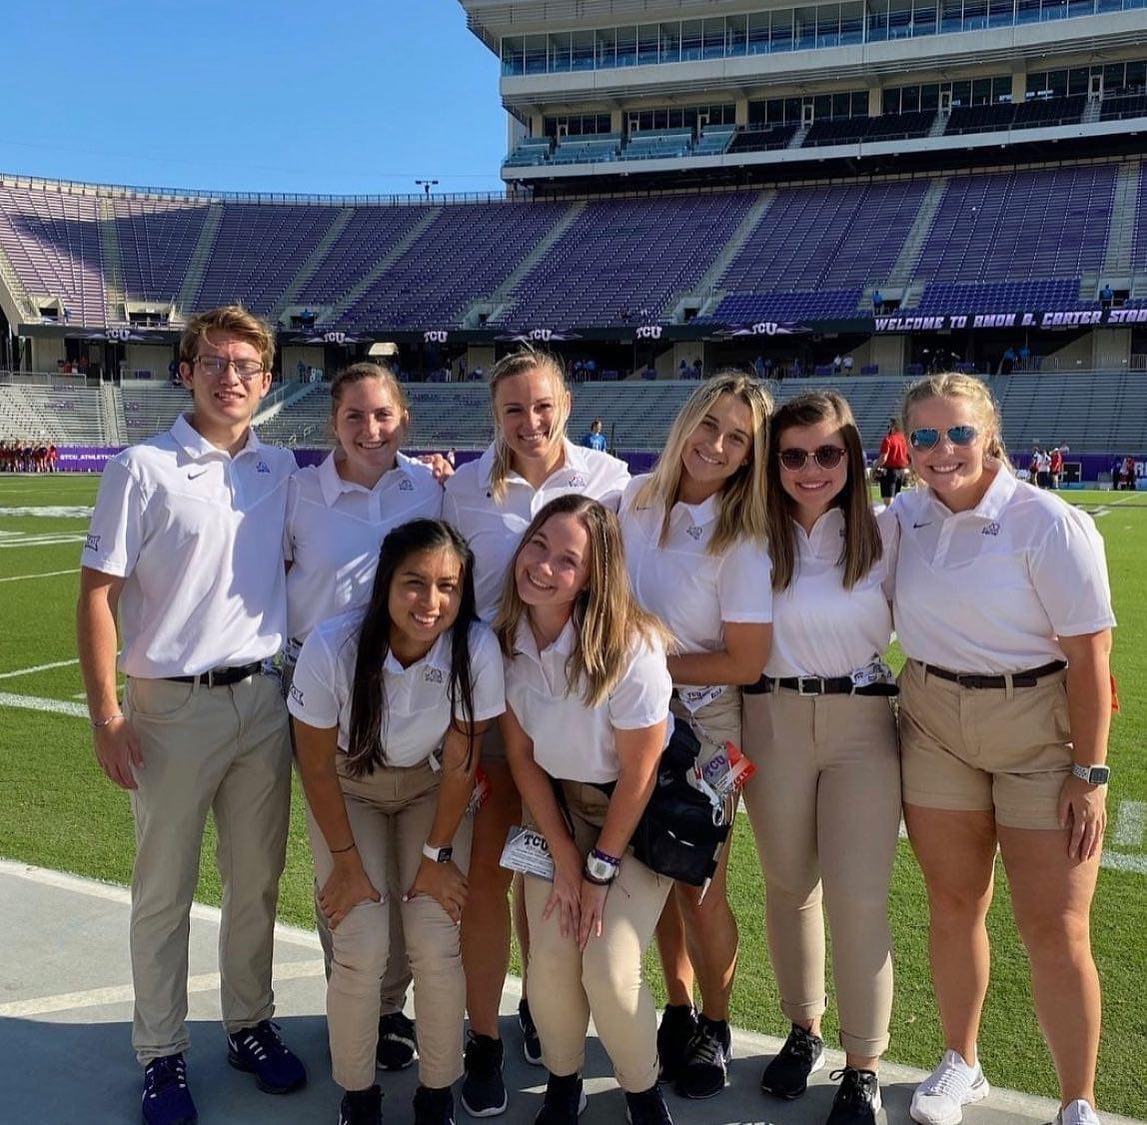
34 703
124 993
37 668
46 574
1130 824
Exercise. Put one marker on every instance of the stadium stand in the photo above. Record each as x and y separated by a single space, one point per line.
60 414
156 241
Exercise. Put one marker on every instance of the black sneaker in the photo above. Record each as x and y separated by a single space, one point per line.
647 1108
565 1100
857 1102
531 1044
483 1091
166 1098
787 1075
706 1060
260 1051
361 1107
397 1048
433 1106
678 1026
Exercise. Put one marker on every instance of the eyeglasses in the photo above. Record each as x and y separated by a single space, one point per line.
215 365
929 437
826 456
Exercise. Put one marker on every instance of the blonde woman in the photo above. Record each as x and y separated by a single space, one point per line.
695 548
338 513
587 718
825 801
1003 608
491 501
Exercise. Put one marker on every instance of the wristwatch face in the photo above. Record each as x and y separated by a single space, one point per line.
1093 775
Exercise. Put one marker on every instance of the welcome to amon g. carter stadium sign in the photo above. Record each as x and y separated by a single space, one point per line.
947 322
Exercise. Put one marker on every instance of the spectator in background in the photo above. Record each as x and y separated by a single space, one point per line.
837 363
1025 357
683 370
759 367
1056 468
877 301
595 439
1008 363
848 365
1126 478
1106 295
451 457
892 462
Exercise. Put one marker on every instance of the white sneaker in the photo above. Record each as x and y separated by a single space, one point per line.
940 1098
1077 1112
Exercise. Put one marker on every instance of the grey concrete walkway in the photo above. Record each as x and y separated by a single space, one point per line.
65 1016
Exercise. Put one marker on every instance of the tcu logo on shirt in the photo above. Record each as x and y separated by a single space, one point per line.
992 529
434 676
91 542
296 695
577 480
406 485
262 467
694 532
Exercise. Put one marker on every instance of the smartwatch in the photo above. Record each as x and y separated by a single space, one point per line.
1093 775
438 855
601 868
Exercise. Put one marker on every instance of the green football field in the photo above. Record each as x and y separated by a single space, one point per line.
57 810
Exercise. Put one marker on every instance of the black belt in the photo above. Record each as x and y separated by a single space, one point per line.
1029 677
220 677
818 685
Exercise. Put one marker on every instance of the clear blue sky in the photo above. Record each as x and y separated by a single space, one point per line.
347 96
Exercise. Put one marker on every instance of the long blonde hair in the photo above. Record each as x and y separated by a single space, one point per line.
605 613
953 384
743 510
522 362
862 545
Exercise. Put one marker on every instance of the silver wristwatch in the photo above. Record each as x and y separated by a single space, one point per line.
1093 775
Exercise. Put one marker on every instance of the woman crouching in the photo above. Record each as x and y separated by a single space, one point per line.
388 705
587 718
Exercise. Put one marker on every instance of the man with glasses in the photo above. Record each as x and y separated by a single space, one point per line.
184 549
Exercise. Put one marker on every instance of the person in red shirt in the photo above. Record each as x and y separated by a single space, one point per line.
1056 467
892 463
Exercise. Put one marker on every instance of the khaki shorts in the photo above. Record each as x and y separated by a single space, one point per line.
981 749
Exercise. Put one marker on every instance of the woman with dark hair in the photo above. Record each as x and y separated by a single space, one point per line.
825 800
388 705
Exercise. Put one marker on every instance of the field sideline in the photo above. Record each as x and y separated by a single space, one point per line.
56 809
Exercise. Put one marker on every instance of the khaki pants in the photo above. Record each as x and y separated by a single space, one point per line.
391 812
396 981
224 750
567 986
824 805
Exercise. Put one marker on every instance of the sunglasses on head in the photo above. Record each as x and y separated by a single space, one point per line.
929 438
826 456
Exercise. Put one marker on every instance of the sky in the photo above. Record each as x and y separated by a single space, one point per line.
348 97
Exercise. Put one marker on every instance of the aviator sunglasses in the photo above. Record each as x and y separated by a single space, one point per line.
826 456
929 437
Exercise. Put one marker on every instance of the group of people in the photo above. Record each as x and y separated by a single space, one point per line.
1045 470
515 645
28 457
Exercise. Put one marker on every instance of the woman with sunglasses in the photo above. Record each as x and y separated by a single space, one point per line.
1004 610
695 548
824 803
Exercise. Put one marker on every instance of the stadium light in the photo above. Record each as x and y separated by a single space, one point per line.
426 185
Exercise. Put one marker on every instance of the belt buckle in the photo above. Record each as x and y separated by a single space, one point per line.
802 680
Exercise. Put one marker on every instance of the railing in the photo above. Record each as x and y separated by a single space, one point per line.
47 378
207 195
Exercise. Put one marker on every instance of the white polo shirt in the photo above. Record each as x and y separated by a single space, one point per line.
574 742
334 530
197 534
417 698
692 591
990 590
819 627
494 527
